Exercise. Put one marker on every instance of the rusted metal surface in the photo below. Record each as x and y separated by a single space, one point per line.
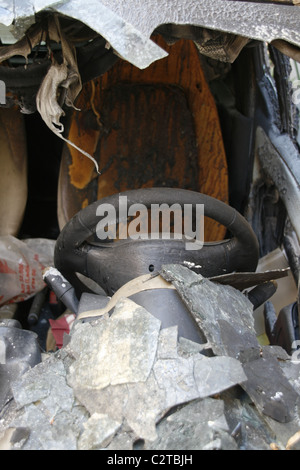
157 127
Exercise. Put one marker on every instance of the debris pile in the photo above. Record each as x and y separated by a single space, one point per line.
121 382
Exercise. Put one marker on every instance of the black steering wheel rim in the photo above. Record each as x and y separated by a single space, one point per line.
73 253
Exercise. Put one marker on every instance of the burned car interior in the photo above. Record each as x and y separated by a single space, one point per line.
131 341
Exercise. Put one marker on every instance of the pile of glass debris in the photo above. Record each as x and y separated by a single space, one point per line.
122 382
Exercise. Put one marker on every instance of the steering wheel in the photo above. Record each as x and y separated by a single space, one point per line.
111 264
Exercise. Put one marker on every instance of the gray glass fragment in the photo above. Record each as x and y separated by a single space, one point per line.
99 431
48 409
167 344
196 426
216 374
19 351
116 351
123 440
285 431
216 307
270 390
187 347
49 433
46 382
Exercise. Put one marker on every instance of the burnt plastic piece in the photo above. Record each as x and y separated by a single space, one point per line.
246 280
261 293
63 290
282 330
36 307
112 265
